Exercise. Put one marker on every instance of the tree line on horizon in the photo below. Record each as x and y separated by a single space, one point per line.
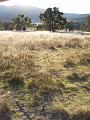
52 19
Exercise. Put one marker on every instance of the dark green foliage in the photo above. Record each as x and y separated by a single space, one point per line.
6 25
78 25
1 25
53 19
40 27
21 22
86 25
83 27
70 26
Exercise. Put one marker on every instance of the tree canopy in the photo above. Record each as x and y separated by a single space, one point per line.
70 25
53 19
86 25
21 22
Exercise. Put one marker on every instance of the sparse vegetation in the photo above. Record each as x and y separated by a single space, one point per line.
4 111
81 114
47 73
85 58
74 43
78 77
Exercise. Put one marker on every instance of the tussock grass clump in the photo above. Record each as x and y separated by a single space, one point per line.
41 82
36 100
78 77
32 86
39 118
4 111
69 63
85 58
41 86
20 64
49 44
59 115
58 112
44 82
45 86
74 43
81 114
53 72
86 85
52 48
12 80
5 63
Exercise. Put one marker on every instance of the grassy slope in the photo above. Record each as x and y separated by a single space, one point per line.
45 69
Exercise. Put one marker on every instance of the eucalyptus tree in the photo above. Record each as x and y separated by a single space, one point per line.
53 19
21 22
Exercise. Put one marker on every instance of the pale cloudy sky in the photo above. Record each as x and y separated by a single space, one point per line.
67 6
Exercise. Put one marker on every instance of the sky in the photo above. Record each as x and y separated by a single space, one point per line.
67 6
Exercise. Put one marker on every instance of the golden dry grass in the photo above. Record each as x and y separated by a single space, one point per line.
45 68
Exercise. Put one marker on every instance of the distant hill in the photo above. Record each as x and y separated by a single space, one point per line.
9 12
76 17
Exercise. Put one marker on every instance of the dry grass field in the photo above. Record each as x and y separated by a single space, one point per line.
44 76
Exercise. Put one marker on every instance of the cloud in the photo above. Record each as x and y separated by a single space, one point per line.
3 0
